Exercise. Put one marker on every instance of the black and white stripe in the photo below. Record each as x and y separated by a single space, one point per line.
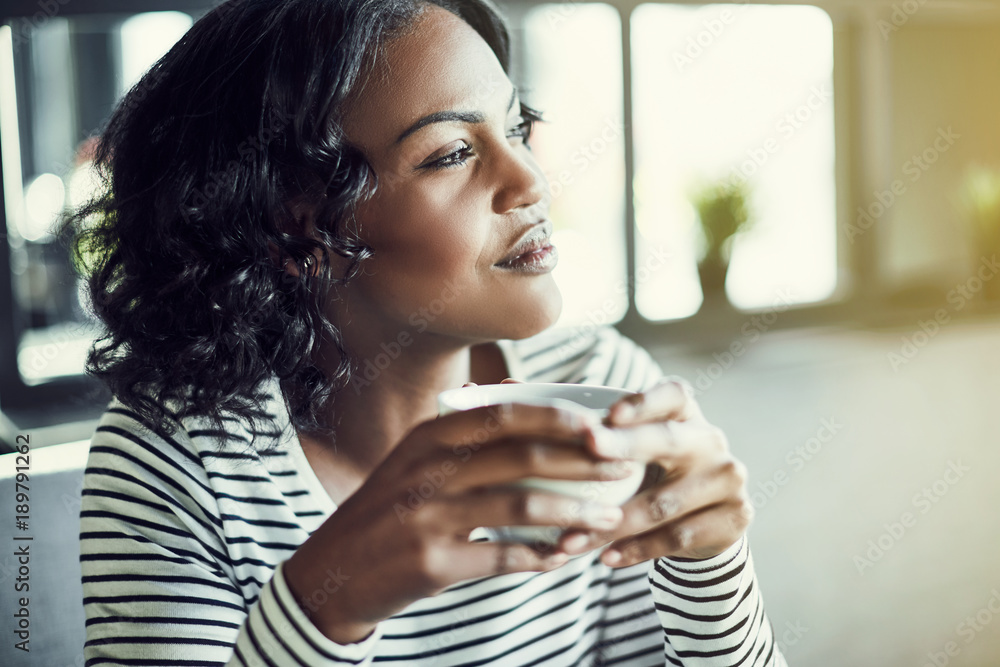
183 544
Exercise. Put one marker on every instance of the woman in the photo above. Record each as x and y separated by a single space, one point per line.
325 212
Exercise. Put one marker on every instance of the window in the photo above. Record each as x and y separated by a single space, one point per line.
735 93
725 92
60 77
696 93
574 57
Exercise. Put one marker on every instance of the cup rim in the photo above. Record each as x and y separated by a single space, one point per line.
443 398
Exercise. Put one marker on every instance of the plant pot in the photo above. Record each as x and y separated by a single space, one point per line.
712 274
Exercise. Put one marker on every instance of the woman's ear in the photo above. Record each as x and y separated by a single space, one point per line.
290 267
299 215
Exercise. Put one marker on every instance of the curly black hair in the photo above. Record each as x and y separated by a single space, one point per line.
183 249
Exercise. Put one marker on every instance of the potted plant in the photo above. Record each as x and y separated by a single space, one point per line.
723 212
980 198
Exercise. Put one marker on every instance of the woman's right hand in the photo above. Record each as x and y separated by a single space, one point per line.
404 534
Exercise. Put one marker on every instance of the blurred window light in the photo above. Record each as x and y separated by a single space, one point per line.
10 158
44 199
56 351
83 183
70 72
735 93
145 38
574 76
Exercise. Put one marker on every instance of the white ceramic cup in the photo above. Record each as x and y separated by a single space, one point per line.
569 396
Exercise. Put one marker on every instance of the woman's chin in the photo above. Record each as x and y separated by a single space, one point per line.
545 308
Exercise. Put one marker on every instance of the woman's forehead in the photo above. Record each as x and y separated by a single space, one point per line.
441 64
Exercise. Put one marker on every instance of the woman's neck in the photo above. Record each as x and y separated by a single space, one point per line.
394 388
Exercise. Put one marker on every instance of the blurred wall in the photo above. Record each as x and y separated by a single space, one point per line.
943 76
875 485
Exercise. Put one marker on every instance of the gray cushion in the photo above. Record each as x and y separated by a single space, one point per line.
55 596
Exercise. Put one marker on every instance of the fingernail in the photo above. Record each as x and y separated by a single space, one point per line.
611 557
576 543
625 412
581 420
601 516
612 470
609 442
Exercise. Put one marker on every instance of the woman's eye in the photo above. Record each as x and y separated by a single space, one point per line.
454 158
522 130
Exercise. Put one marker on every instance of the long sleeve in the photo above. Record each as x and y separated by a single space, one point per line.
183 548
160 585
704 613
712 612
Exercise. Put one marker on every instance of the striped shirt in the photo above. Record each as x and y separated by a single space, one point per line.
183 548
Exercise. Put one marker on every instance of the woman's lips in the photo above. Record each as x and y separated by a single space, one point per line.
541 259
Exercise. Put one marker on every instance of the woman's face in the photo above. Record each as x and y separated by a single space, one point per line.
458 190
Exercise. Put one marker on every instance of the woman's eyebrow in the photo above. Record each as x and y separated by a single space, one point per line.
451 116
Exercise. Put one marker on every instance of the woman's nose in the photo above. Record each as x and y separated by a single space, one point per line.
522 181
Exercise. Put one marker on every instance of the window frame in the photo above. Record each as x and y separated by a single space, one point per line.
853 29
862 120
78 399
862 123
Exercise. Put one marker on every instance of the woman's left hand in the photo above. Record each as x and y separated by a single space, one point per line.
697 509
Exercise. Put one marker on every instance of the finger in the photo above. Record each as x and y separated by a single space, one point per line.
509 461
510 381
456 559
525 507
682 497
669 502
668 442
469 384
702 535
670 399
507 420
482 559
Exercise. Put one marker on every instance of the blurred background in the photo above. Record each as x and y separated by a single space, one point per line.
794 206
